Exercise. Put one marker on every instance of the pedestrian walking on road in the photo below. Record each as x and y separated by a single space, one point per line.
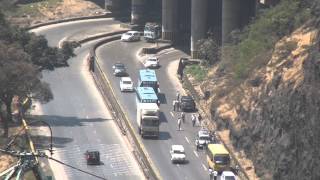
179 124
193 119
178 96
175 105
183 117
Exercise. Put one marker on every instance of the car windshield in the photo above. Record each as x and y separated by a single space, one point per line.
178 152
126 82
222 159
154 60
129 34
204 138
230 178
119 66
186 99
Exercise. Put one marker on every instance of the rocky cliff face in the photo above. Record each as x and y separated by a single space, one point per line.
275 117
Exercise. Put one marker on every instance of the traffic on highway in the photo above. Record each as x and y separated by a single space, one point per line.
164 117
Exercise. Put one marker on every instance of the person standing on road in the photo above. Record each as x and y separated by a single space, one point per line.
193 119
179 124
199 119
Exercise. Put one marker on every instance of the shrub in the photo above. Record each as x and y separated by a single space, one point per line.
261 35
197 71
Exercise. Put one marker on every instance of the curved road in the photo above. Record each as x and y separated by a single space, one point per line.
78 116
158 150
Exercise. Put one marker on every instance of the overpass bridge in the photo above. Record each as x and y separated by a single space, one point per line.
187 21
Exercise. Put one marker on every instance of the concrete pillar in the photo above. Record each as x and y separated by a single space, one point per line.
137 11
169 19
112 5
231 17
198 24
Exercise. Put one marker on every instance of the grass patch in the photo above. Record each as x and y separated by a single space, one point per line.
197 71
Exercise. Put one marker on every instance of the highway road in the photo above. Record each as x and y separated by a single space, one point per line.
158 150
78 116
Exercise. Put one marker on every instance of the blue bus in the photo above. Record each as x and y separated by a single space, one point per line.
146 95
148 78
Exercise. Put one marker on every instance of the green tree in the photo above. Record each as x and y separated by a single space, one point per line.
23 56
209 49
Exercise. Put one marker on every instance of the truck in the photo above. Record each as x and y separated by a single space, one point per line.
152 31
148 119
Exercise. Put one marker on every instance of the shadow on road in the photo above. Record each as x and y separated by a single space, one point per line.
64 121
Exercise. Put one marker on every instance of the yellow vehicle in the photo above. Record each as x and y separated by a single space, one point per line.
218 157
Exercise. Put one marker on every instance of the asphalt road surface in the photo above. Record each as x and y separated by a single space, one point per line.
158 150
79 118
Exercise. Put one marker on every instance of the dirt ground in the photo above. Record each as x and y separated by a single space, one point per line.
71 8
60 10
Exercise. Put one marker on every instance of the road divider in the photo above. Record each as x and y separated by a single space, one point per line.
119 115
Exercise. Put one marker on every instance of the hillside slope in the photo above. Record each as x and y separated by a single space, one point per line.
274 115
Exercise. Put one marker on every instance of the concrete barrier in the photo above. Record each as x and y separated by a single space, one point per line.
119 114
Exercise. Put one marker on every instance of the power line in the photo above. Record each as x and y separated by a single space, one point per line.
56 160
28 154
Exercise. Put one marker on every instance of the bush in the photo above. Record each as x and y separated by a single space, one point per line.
262 34
197 71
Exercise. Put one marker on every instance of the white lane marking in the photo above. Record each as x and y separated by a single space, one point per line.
172 114
196 153
204 167
95 132
187 139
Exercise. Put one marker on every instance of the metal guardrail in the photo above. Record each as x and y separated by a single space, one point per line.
119 114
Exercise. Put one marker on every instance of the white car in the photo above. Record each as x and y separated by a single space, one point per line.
126 84
151 62
228 175
130 36
177 154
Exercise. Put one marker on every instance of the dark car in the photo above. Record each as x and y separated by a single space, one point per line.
92 157
187 103
119 69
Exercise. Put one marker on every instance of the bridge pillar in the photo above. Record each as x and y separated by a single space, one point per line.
169 19
230 17
137 11
198 24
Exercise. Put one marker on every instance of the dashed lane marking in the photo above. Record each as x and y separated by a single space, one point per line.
204 167
196 153
187 139
172 114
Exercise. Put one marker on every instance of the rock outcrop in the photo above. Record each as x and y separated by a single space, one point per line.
275 115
